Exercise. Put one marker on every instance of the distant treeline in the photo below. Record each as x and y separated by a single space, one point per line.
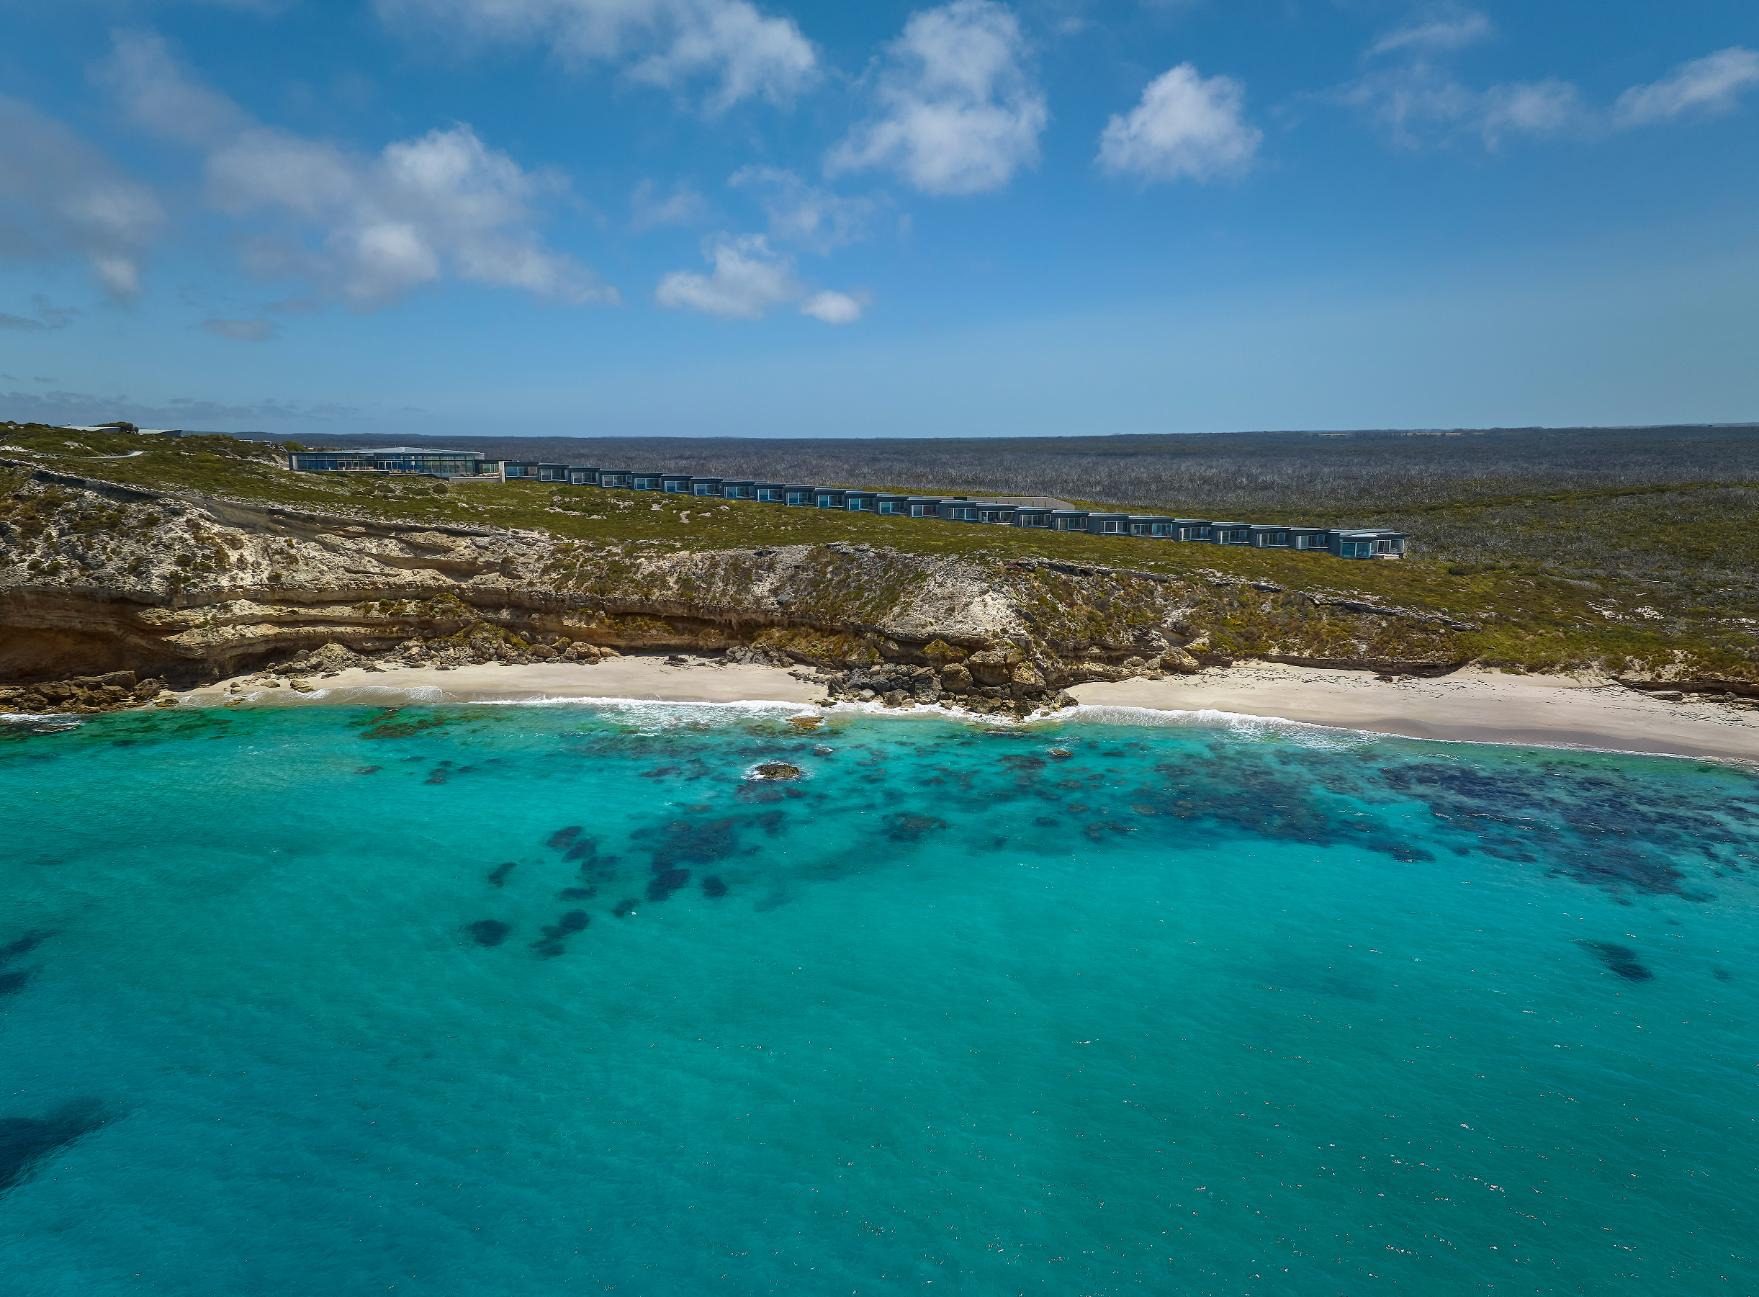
1353 477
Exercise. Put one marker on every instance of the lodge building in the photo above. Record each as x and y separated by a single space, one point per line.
1350 542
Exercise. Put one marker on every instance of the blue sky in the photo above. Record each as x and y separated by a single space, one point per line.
776 218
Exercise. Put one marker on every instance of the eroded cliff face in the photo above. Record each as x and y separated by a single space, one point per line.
99 578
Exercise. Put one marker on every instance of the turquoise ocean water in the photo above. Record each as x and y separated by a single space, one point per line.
545 1000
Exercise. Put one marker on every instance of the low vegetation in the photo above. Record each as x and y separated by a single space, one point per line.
1630 550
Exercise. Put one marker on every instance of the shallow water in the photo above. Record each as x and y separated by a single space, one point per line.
486 1000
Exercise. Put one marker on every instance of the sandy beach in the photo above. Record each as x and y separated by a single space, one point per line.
1469 706
643 678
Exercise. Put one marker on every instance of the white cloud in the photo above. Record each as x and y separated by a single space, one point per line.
1530 108
832 308
1421 103
146 80
957 109
1708 87
367 228
1186 126
650 209
748 279
805 214
60 197
672 44
1441 33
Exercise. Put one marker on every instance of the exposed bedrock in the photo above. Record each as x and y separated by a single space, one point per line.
97 579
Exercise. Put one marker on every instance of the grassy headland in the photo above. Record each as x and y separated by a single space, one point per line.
1643 558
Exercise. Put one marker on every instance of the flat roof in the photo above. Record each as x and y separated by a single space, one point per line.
391 450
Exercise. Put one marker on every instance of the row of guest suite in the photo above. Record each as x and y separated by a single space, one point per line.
1345 543
1355 543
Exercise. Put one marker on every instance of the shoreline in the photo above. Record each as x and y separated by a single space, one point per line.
1473 705
1470 706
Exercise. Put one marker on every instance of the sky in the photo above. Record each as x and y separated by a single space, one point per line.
865 218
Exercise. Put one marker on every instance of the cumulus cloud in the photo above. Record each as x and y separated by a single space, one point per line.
241 330
747 280
956 107
649 208
804 214
1707 87
740 51
1185 127
60 197
832 307
368 228
1443 31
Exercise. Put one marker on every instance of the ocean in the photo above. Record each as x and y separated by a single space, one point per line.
538 1000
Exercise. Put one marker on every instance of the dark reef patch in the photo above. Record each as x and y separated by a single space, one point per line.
703 839
756 793
366 770
714 886
1611 829
665 881
563 838
389 723
22 946
1722 975
488 932
907 826
26 1142
440 773
500 873
550 944
577 893
1620 959
624 908
14 981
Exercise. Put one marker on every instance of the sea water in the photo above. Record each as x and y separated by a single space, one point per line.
544 1000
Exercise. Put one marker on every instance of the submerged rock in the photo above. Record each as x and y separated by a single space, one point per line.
27 1141
777 770
1620 959
488 932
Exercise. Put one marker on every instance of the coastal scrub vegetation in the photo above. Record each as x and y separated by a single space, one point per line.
1631 550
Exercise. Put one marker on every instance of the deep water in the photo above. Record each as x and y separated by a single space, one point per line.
523 1000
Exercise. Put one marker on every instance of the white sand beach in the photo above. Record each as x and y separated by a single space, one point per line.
1470 706
643 678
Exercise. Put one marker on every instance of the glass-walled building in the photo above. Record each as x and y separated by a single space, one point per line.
392 459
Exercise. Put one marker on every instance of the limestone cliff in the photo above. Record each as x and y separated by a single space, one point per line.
98 578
